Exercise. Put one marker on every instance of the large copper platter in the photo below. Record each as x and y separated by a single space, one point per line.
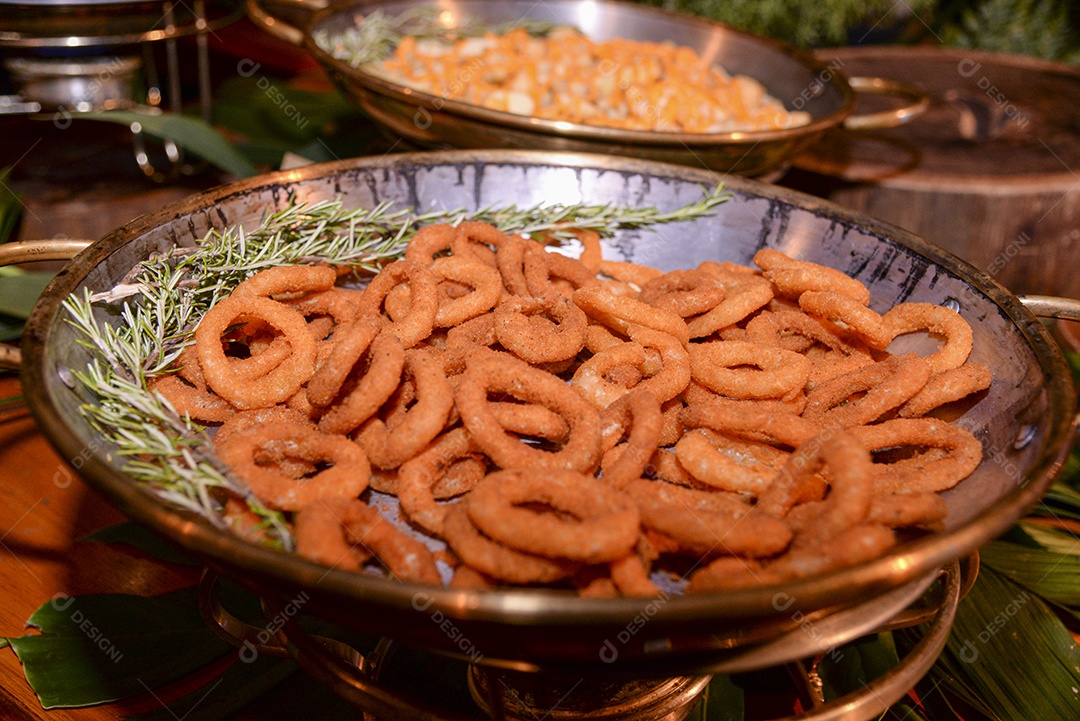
1024 423
795 78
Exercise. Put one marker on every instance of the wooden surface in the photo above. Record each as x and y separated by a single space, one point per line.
989 172
44 512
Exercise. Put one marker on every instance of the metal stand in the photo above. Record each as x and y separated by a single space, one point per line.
64 86
507 694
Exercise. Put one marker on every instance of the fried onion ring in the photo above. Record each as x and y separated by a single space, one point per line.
750 420
287 279
794 277
638 412
867 393
936 320
590 379
725 467
420 321
488 373
849 475
190 401
496 560
486 285
619 312
708 522
958 454
686 292
604 525
222 375
347 477
946 387
540 330
741 301
418 476
389 447
356 405
406 558
430 241
768 372
849 314
319 530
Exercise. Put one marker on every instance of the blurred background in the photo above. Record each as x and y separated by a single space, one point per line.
225 89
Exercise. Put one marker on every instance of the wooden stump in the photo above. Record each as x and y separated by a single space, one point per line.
991 172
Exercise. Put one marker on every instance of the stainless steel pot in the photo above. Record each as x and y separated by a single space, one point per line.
1025 423
66 24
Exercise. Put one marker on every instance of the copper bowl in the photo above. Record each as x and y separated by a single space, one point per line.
795 78
1025 423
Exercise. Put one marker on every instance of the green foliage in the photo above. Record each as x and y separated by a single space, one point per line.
141 537
19 290
99 648
807 24
1010 654
268 118
1047 29
192 134
10 207
857 664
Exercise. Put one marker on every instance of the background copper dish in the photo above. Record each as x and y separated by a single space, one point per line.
1025 422
795 78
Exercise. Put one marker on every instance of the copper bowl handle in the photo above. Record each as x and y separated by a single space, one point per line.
1049 306
30 251
919 102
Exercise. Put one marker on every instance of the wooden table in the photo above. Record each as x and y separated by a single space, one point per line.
45 510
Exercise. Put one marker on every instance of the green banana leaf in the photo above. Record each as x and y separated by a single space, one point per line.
240 685
1051 539
141 537
104 647
723 700
20 290
857 664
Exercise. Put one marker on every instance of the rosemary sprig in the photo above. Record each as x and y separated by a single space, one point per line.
375 37
163 299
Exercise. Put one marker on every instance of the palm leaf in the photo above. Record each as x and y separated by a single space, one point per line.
999 624
191 134
1053 576
10 207
723 700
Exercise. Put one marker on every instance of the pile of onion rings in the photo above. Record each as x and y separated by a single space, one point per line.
591 425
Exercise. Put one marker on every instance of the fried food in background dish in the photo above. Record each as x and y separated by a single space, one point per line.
565 76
